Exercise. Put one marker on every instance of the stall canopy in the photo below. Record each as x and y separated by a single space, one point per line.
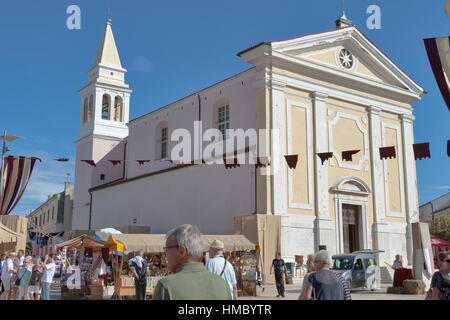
436 242
156 242
83 241
8 239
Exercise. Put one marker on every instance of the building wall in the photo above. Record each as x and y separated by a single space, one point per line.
208 196
347 127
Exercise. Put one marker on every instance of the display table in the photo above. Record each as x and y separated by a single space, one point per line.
400 275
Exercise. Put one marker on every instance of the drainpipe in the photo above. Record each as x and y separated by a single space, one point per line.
90 210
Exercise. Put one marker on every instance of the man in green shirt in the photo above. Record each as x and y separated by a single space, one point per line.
191 281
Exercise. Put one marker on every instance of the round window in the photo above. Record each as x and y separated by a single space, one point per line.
346 59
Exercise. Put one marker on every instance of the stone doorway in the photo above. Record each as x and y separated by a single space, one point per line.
351 227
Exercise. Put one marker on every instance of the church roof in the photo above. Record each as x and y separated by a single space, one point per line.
357 35
107 54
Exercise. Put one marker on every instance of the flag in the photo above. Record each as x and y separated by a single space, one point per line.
439 57
16 175
347 155
177 162
448 148
231 163
325 156
114 162
89 162
387 152
421 150
265 162
291 160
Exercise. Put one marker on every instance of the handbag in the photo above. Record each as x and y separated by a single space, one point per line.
430 293
17 282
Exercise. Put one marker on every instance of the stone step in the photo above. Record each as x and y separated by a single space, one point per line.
385 274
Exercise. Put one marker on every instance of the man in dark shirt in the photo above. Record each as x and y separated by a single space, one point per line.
280 268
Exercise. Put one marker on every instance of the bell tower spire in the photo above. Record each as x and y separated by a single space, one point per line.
105 108
105 98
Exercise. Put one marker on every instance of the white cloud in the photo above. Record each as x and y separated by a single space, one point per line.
141 64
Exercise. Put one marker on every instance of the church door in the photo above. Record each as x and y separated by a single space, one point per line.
350 223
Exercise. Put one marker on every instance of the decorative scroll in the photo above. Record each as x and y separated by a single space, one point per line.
114 162
387 152
325 156
421 150
292 160
62 159
141 162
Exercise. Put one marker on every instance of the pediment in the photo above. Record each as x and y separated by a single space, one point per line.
326 50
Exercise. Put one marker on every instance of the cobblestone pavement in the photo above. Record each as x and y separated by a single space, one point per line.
292 292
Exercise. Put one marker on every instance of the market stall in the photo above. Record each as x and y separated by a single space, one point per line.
87 254
124 246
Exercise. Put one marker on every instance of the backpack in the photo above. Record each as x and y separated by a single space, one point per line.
441 292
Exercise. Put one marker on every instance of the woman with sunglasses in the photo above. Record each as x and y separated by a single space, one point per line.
440 283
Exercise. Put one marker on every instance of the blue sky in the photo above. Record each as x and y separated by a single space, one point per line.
171 46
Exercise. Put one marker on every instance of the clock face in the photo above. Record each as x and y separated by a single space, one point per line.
346 59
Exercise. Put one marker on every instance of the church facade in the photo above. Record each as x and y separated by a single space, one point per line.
327 92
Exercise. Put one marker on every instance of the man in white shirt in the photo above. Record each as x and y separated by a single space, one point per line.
18 262
219 265
47 276
7 272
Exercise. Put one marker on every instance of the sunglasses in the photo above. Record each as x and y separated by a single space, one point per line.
170 247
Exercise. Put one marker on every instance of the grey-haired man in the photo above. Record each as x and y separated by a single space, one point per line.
191 281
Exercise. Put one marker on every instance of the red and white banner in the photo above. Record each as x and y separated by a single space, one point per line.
16 174
439 56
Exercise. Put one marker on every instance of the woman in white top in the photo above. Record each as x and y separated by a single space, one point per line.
310 268
398 262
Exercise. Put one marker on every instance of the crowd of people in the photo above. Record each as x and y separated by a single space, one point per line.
26 277
189 279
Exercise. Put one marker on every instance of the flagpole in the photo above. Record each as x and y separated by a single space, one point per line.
1 169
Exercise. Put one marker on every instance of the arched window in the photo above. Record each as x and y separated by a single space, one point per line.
85 110
106 107
118 109
162 140
223 119
91 108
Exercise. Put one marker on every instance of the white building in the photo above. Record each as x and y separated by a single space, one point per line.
326 92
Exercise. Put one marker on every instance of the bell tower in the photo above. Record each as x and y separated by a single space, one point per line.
105 107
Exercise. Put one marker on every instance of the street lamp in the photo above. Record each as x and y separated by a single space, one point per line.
5 138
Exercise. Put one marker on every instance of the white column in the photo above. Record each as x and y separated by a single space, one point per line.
324 229
410 181
278 142
378 198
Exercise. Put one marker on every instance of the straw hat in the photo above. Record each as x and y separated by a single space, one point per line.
217 244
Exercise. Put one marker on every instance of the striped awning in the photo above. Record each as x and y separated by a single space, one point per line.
439 56
16 174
